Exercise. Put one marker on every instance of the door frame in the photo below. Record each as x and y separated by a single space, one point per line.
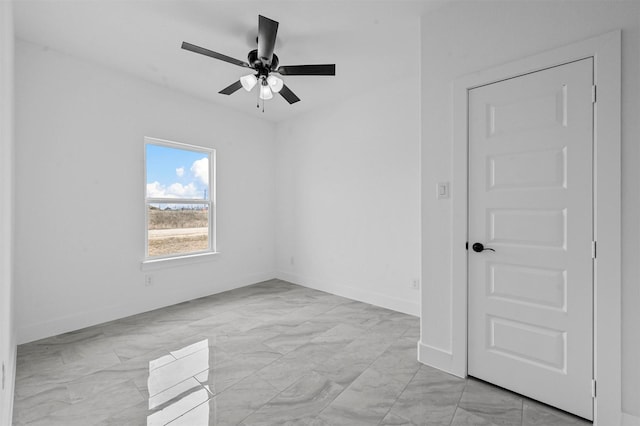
606 53
7 328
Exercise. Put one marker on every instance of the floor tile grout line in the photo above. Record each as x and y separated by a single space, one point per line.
213 396
358 376
253 411
182 381
399 394
344 389
293 350
280 391
464 388
188 411
257 372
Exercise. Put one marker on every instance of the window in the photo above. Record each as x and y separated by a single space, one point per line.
179 199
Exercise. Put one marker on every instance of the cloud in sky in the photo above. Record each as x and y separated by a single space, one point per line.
200 169
197 181
175 190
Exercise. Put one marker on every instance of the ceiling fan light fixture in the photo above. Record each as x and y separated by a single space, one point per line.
265 92
248 81
275 83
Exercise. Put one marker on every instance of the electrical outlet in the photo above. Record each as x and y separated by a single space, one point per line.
148 280
415 284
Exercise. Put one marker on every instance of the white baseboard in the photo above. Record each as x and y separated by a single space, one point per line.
630 420
79 320
437 358
10 381
354 293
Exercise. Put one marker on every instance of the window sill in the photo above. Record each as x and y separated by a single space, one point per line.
167 262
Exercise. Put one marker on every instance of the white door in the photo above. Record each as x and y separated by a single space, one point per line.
531 200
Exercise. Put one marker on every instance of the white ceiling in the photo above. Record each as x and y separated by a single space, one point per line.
365 39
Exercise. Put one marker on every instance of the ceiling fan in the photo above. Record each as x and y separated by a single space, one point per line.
264 64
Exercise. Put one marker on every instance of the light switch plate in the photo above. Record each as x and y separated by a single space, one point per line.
442 190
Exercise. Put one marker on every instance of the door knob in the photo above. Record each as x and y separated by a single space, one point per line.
478 247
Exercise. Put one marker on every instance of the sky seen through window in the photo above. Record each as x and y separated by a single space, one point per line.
176 173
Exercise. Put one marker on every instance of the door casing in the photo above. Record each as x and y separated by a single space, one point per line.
606 53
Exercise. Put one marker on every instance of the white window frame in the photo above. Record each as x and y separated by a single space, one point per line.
209 202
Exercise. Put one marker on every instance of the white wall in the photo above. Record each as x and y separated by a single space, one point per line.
348 219
7 328
79 193
466 37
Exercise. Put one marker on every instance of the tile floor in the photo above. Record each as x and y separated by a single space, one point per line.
269 354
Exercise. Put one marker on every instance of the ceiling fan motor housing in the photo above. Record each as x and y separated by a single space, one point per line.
259 65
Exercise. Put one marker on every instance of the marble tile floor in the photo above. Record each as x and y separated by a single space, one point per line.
269 354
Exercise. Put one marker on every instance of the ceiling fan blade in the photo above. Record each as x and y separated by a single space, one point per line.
267 30
289 95
324 69
212 54
232 88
